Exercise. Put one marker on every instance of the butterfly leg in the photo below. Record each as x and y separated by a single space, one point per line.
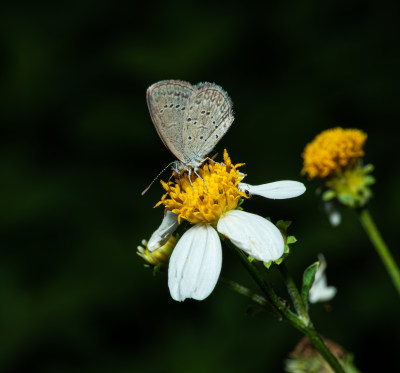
210 159
190 179
195 172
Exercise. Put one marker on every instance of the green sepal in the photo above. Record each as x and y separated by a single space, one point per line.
283 225
346 199
157 269
328 195
351 186
308 280
240 203
268 264
250 259
368 168
369 180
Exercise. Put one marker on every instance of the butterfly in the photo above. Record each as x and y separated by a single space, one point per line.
190 120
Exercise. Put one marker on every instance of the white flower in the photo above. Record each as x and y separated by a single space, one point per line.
196 261
320 291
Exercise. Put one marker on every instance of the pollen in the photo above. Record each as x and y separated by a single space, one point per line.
332 151
205 199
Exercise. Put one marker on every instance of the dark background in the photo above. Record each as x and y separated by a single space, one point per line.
78 146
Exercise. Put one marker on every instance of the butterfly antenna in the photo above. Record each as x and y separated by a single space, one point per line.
145 191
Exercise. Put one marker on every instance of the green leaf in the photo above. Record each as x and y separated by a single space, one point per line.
250 258
308 280
291 239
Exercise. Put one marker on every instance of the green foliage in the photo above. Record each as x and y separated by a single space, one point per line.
283 225
351 186
308 280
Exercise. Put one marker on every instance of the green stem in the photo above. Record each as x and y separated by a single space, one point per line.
381 247
281 306
256 298
298 304
319 344
286 314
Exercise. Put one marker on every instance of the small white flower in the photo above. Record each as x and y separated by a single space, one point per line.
320 291
196 261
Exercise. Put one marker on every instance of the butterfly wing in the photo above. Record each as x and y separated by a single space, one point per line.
207 118
167 101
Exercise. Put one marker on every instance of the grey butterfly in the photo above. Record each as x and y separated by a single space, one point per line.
189 119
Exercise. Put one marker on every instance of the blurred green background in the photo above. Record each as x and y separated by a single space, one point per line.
78 147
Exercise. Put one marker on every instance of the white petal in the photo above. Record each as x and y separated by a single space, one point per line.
195 264
276 190
253 234
320 291
163 232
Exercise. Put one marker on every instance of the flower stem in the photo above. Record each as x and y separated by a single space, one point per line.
256 298
286 314
380 246
298 304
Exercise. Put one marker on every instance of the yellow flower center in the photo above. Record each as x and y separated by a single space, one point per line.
204 201
332 151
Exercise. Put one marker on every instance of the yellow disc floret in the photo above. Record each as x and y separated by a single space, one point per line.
205 199
332 151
